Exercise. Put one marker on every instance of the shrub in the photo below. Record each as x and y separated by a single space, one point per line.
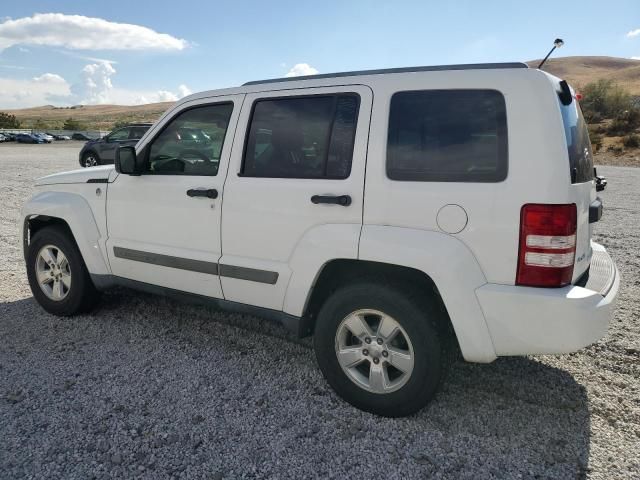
71 124
631 141
625 122
604 99
8 121
596 141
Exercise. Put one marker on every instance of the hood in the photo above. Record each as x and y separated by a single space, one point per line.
82 175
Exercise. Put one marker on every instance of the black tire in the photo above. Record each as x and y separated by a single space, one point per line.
86 159
82 295
423 322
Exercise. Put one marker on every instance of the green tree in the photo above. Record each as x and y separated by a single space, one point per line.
8 121
40 125
604 99
71 124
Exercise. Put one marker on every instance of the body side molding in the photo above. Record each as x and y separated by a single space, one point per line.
212 268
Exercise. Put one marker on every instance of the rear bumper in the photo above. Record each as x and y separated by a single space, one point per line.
526 320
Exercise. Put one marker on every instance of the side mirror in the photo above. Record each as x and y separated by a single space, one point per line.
126 161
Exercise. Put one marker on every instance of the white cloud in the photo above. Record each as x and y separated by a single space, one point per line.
301 69
633 33
42 90
183 91
94 87
165 96
83 33
635 58
96 83
49 78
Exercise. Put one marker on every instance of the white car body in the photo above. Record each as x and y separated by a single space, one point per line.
261 243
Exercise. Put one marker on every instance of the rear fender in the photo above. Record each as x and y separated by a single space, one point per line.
453 269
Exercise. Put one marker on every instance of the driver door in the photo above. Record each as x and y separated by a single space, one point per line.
164 225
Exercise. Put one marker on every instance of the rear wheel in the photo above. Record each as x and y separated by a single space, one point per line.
57 275
381 348
90 159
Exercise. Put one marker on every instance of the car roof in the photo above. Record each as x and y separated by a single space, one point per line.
386 71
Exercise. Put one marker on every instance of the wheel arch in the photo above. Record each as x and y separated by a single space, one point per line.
437 263
73 214
88 151
340 272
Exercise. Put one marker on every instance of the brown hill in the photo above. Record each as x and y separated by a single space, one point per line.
579 71
99 117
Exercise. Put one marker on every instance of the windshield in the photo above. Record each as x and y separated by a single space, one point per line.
578 144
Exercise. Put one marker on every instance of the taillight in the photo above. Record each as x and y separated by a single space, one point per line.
547 245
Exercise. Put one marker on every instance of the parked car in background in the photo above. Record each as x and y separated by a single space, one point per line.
2 138
102 151
9 136
47 138
28 138
81 136
59 137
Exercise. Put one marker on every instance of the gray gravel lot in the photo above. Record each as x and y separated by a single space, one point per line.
145 387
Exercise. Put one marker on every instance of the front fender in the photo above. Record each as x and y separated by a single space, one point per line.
76 212
452 267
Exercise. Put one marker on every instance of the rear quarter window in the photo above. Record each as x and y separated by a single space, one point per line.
578 144
447 136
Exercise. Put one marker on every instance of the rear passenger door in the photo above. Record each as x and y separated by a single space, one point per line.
297 167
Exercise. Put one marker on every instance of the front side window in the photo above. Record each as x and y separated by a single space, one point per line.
302 137
447 136
191 143
119 135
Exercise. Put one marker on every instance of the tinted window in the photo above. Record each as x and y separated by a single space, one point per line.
191 144
119 135
137 132
302 137
447 136
578 144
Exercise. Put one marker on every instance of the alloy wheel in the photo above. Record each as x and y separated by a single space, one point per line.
53 272
374 351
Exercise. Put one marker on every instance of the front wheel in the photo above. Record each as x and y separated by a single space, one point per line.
381 348
57 275
90 159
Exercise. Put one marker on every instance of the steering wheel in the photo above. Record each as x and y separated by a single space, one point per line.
193 153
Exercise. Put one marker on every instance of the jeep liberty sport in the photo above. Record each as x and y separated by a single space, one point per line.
398 216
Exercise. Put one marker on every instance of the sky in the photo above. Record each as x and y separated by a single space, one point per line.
68 52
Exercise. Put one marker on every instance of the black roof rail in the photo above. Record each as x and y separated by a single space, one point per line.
432 68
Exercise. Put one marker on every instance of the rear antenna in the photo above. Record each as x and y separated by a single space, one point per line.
557 43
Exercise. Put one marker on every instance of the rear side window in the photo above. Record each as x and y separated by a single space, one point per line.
119 135
302 137
447 136
137 133
578 144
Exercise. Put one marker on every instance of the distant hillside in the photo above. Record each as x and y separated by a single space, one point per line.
98 117
576 70
579 71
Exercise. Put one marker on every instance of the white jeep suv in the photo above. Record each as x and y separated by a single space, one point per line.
398 216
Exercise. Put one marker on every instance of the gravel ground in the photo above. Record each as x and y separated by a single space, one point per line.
145 387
